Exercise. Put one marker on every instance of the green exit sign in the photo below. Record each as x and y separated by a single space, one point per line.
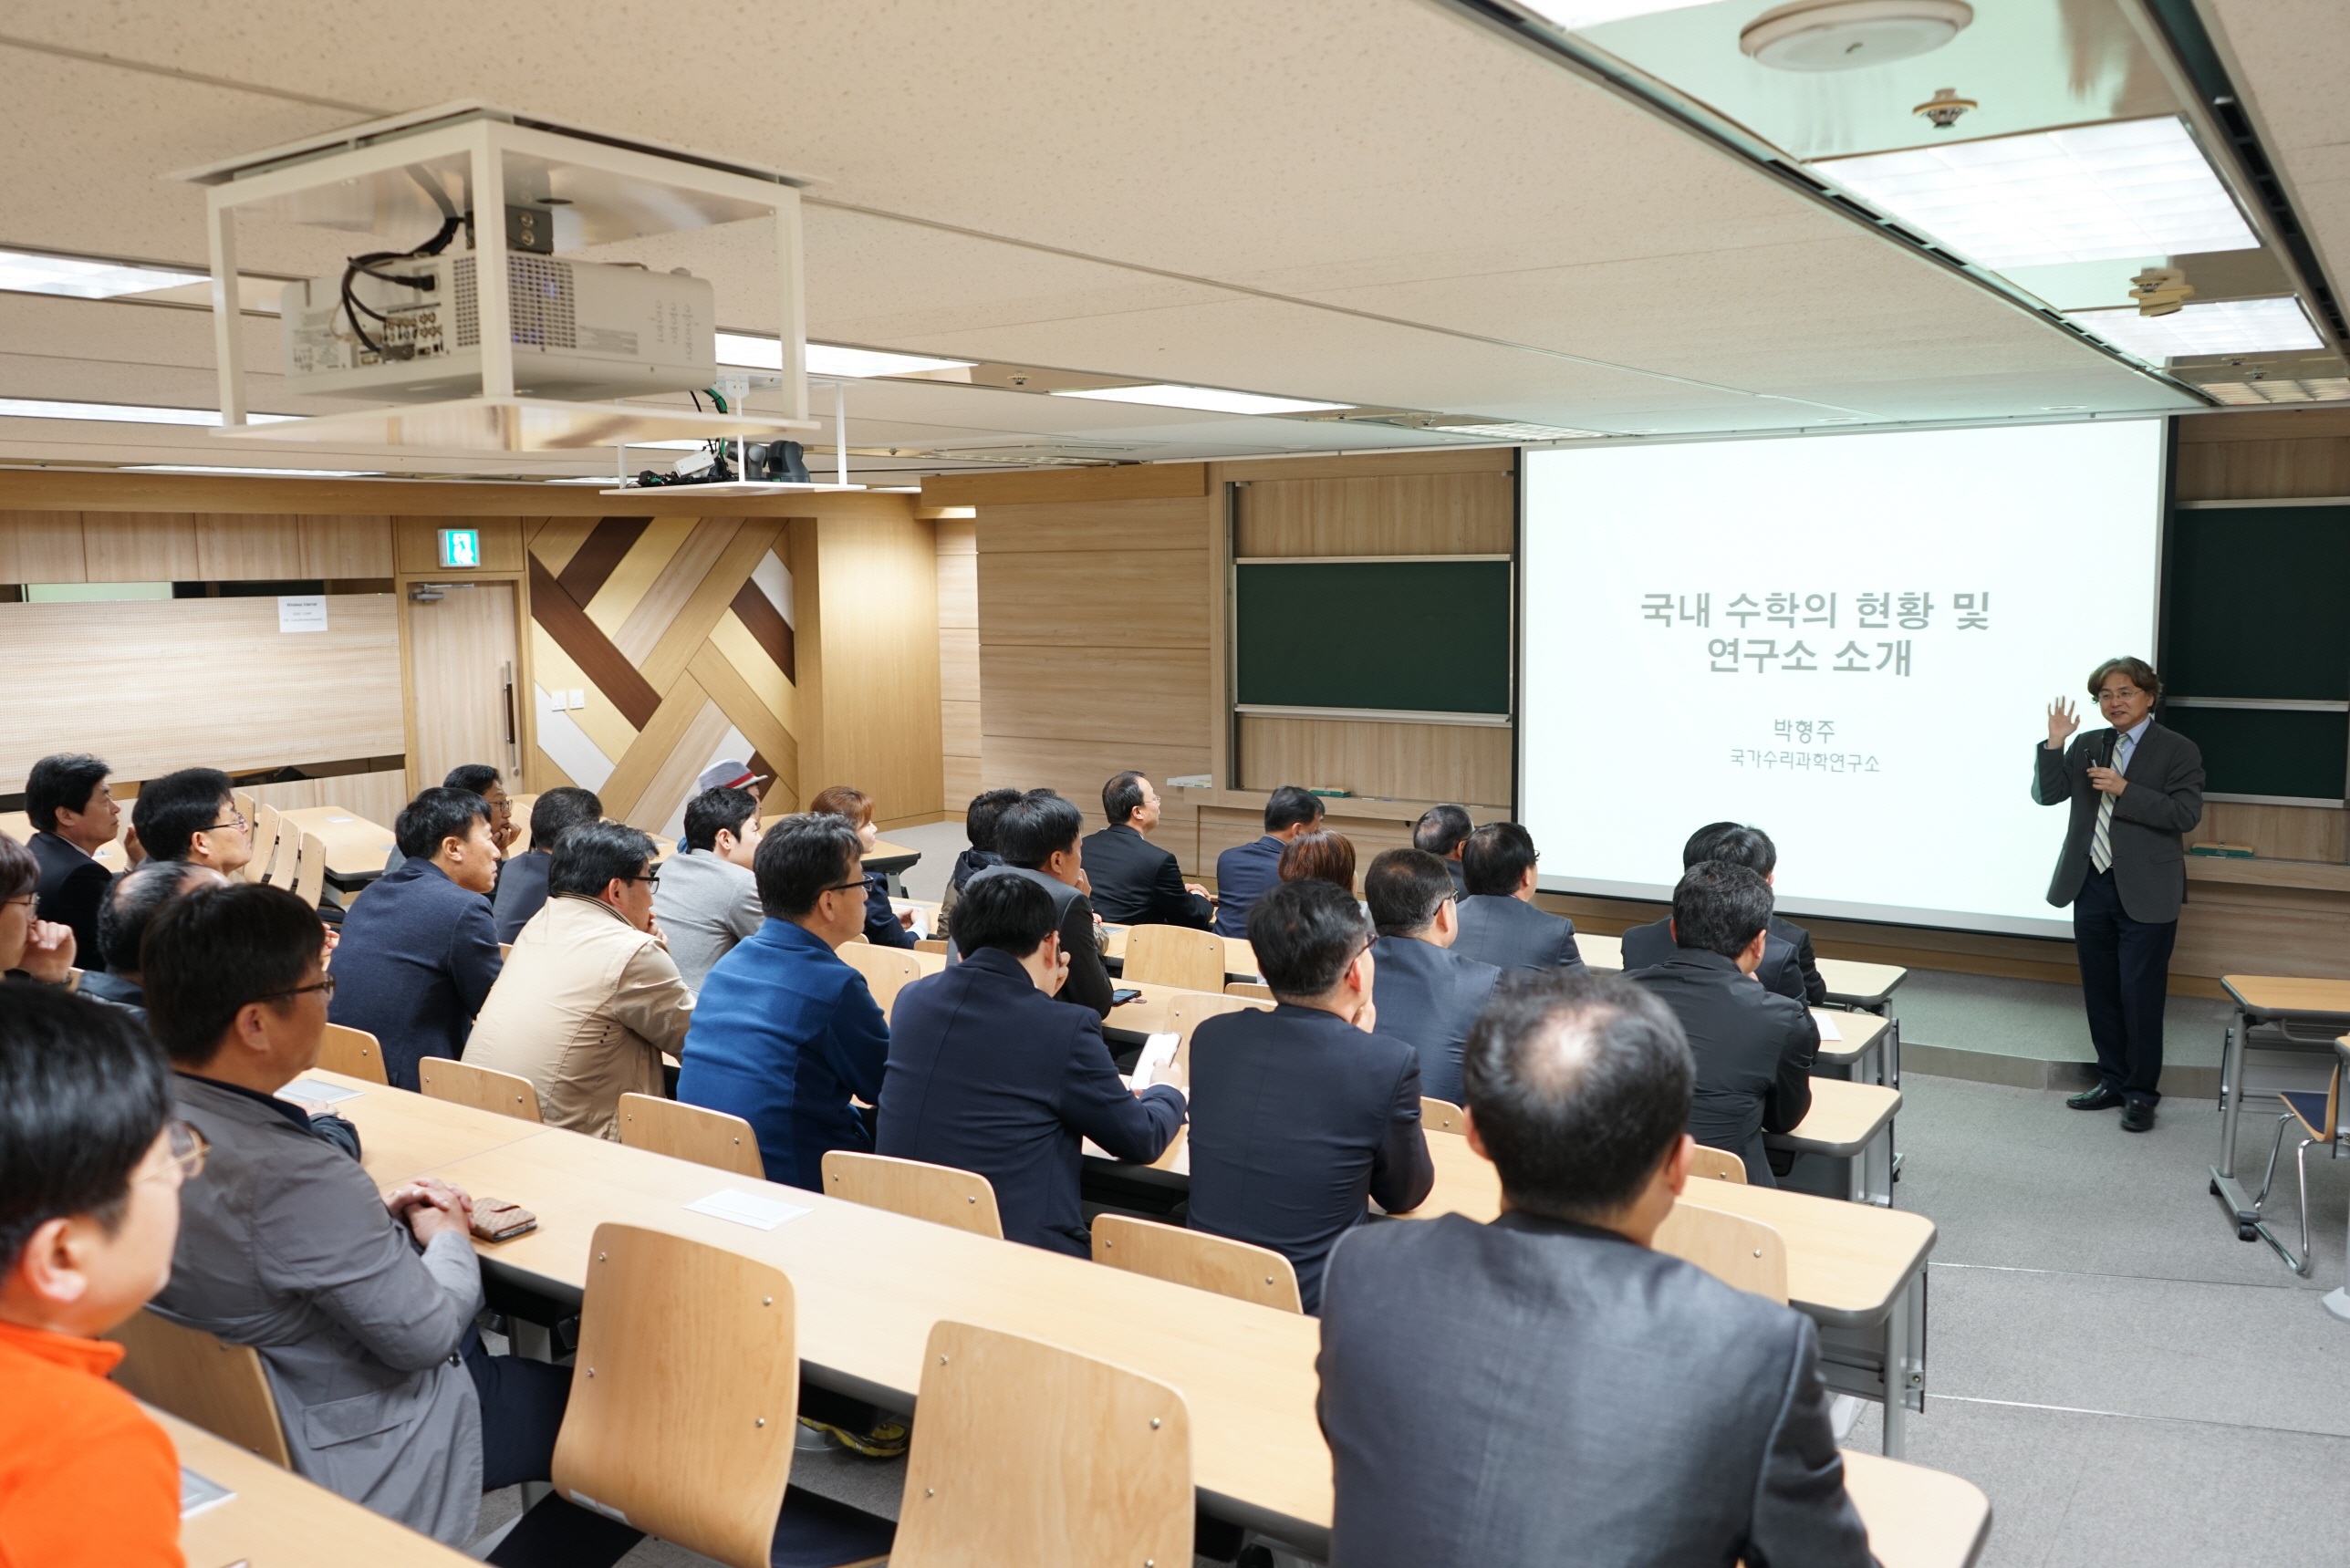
460 546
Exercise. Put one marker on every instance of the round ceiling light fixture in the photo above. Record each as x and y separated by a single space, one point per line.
1849 35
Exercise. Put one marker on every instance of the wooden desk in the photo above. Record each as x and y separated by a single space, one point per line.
277 1520
402 1134
1854 1269
1849 1132
2306 1015
1599 952
355 847
1867 986
1857 1034
893 861
1917 1518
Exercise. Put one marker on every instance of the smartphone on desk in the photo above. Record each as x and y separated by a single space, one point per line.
1123 995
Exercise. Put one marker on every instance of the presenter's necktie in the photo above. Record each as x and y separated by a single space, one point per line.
2100 845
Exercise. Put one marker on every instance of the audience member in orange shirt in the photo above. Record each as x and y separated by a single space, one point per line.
89 1208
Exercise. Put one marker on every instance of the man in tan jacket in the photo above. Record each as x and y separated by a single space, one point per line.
589 998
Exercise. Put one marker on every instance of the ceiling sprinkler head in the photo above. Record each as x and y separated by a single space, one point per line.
1945 107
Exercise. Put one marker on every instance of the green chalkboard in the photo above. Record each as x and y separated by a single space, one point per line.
2253 607
1422 636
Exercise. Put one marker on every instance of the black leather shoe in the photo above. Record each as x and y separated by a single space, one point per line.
2137 1116
2101 1098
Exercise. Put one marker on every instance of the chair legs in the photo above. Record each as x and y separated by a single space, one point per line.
2300 1263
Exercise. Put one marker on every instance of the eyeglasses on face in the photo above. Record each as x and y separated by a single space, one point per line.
32 902
188 1148
650 879
326 988
236 821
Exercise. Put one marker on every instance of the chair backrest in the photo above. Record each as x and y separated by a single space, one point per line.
1736 1251
267 829
505 952
1029 1453
932 945
1439 1116
1174 955
1194 1258
220 1388
689 1132
689 1352
1249 989
1717 1164
479 1087
352 1052
938 1193
1187 1013
309 868
887 971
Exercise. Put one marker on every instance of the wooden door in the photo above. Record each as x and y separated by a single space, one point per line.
463 677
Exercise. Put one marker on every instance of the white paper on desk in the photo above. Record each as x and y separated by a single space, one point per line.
342 820
324 1092
747 1209
1828 1030
301 612
198 1493
1158 1051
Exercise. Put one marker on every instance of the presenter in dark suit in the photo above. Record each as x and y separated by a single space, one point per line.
988 1073
1242 874
1428 993
1301 1115
1754 1047
74 816
1787 966
1135 882
1499 922
1546 1388
2136 790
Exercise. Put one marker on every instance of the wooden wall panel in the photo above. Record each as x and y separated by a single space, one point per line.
1050 694
1078 769
1409 514
2277 832
959 686
1092 527
140 683
1406 762
42 548
377 796
877 583
258 548
1131 599
141 547
416 543
347 546
2262 456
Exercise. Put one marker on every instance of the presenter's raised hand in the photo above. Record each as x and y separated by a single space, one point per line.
2061 721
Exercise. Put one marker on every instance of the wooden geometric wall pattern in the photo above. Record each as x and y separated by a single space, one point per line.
676 634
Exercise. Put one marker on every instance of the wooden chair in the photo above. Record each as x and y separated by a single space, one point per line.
1196 1259
689 1132
1737 1250
505 952
1717 1165
1174 955
1250 989
1188 1012
1029 1453
938 1193
266 828
2320 1119
691 1352
309 883
1439 1116
479 1087
887 971
220 1388
353 1052
932 945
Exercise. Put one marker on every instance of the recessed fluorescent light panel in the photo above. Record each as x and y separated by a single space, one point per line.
826 359
1514 431
23 273
1206 399
271 472
2319 389
2098 193
123 413
2215 327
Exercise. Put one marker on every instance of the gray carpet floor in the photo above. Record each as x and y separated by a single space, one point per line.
2035 1019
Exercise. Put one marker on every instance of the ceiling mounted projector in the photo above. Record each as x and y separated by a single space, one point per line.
1849 35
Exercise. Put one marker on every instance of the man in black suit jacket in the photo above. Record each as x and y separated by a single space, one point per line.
1427 992
522 878
1499 922
1788 966
988 1073
1135 882
1754 1047
1546 1388
2136 790
1302 1113
419 952
1443 830
1246 870
137 897
1039 836
73 815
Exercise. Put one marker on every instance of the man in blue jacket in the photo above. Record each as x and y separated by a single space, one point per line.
1242 874
988 1073
786 1033
420 952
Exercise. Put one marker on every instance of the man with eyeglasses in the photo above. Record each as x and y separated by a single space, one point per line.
420 950
589 998
360 1301
1428 993
192 815
89 1204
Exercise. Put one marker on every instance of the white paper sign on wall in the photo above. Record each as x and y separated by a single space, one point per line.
301 612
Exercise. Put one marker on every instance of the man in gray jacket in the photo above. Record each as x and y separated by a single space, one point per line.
1425 992
1499 922
1593 1401
708 899
360 1303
